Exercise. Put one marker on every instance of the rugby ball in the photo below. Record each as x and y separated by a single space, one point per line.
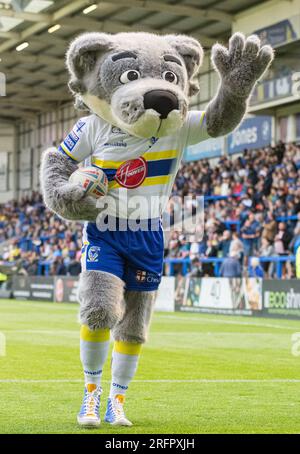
92 179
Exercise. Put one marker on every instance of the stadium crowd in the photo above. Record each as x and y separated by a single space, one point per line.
35 238
249 200
246 197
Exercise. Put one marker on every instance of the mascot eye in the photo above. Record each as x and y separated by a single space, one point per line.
129 76
169 76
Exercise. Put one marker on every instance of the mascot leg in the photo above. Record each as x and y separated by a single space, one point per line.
129 335
101 308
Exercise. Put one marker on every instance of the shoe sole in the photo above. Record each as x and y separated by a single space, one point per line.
88 424
120 423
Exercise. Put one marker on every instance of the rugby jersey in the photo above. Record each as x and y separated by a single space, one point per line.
140 172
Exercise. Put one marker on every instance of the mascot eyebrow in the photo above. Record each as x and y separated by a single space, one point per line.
173 59
123 55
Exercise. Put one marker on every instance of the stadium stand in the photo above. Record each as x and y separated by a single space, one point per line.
251 208
252 205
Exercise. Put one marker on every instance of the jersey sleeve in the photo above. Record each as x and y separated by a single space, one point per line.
196 127
78 144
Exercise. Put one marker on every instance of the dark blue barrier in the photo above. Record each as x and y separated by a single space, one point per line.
217 261
214 198
294 217
278 260
44 265
187 262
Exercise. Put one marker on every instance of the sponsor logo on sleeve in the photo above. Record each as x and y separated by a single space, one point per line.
79 126
71 140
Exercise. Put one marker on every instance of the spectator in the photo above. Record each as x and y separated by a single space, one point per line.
196 268
225 243
267 250
231 267
211 251
282 240
58 267
250 233
270 228
255 269
236 248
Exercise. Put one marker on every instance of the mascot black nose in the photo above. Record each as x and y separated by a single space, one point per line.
162 101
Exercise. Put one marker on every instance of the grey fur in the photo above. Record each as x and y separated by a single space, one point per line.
239 68
135 324
100 296
61 196
95 77
192 53
85 50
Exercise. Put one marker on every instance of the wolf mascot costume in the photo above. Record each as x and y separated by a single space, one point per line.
136 86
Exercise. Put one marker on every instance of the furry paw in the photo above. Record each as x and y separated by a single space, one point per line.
75 204
242 64
68 200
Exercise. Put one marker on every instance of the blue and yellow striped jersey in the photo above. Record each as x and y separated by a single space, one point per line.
140 172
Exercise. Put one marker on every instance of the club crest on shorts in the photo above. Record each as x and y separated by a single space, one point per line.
141 276
132 173
93 253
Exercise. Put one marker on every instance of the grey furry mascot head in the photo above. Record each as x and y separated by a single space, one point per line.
139 82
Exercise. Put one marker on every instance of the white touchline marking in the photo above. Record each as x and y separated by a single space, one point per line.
228 322
167 333
43 331
196 380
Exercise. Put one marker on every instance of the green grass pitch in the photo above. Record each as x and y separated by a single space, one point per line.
198 374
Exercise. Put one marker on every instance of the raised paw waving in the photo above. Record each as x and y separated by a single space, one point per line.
242 64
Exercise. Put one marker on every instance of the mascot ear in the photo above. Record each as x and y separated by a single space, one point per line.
83 54
192 53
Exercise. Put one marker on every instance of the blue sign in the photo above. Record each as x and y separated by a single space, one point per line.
210 148
277 34
267 90
255 132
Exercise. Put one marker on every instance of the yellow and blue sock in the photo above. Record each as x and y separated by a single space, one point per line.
124 365
94 347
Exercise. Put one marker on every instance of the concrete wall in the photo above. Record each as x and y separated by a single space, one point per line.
266 14
8 145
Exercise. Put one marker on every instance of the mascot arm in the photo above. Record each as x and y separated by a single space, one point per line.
239 68
67 200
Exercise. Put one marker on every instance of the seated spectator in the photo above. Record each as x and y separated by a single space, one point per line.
74 268
194 249
210 252
255 269
196 268
58 267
